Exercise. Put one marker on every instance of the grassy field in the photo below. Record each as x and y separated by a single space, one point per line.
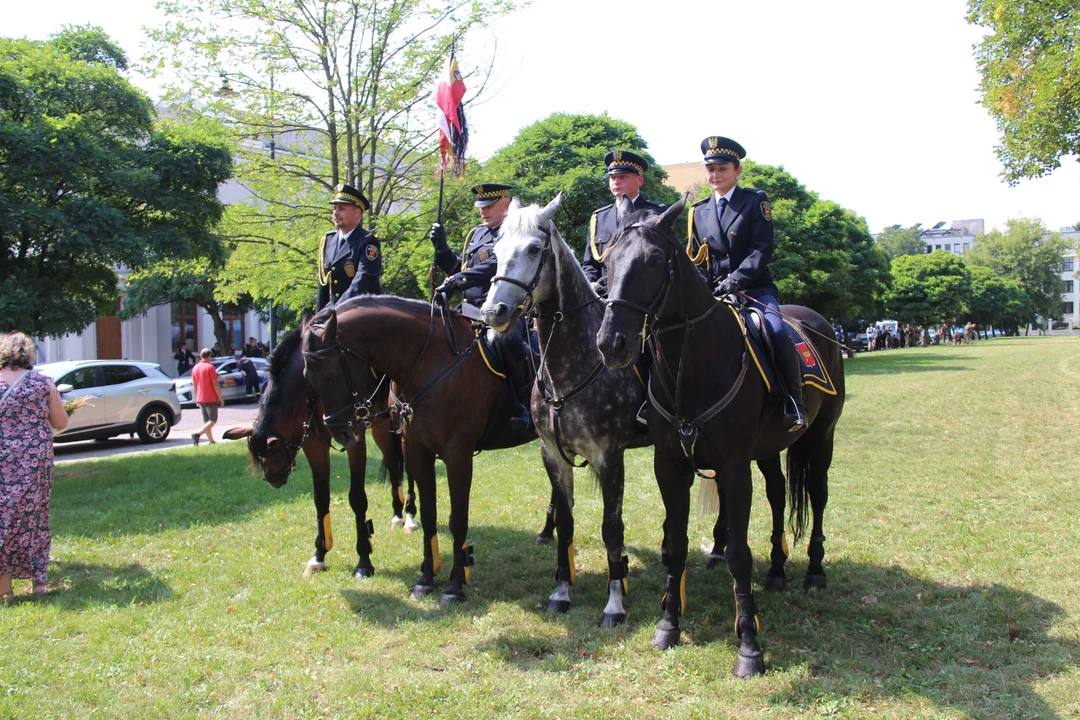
954 584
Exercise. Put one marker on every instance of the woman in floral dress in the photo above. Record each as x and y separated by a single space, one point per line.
26 464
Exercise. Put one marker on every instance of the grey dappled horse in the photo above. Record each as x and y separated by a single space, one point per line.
580 407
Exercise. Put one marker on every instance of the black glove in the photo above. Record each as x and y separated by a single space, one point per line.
727 286
444 291
437 235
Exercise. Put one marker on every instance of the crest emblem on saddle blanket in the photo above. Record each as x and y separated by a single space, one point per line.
807 356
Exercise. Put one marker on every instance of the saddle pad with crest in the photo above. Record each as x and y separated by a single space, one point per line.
814 372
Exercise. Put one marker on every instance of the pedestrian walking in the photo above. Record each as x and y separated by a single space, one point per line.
207 395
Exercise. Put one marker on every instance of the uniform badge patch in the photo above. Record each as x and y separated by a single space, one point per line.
484 255
766 210
807 356
350 269
371 252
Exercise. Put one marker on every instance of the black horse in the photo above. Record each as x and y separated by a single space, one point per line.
290 420
710 410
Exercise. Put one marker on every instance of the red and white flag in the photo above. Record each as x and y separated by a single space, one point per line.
453 130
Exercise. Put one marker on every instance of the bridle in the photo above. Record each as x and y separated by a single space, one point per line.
687 429
528 301
292 448
358 410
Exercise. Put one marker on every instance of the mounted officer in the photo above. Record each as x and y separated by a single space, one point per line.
471 273
626 174
350 259
731 241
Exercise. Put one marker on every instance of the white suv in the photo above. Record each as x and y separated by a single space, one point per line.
124 397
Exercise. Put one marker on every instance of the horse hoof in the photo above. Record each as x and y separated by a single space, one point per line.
716 560
362 573
420 591
610 620
543 539
558 606
396 521
411 525
815 582
749 665
314 567
451 598
665 638
774 583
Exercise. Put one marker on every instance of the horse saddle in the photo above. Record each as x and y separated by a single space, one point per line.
759 344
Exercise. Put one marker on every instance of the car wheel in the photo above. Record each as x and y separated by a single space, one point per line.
154 424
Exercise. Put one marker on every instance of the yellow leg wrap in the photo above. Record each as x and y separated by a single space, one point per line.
625 587
401 495
573 567
682 593
757 622
436 561
468 570
328 534
783 545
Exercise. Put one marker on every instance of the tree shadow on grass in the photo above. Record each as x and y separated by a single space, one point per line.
78 586
882 633
148 493
889 362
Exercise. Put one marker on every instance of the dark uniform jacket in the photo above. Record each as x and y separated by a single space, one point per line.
603 225
353 270
476 266
742 247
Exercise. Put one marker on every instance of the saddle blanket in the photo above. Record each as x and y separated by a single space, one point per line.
814 372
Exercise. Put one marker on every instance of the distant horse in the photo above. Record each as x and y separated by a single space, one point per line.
444 395
711 411
581 408
290 420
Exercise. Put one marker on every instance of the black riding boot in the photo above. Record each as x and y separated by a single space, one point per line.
789 369
519 372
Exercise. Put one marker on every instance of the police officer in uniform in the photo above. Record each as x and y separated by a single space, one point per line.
626 174
350 259
471 273
731 241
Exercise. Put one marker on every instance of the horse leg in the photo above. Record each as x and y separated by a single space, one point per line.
394 462
774 490
318 457
719 533
812 461
547 534
561 476
420 464
411 525
611 471
459 471
358 502
674 477
751 661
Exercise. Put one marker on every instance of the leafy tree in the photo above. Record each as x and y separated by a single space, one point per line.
1029 64
316 94
88 182
1031 256
901 241
996 301
565 152
928 289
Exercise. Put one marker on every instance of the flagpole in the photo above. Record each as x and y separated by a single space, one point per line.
442 175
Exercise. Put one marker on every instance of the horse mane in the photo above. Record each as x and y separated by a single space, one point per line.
273 394
279 358
522 220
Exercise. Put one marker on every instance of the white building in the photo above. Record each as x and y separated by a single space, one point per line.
957 238
1070 299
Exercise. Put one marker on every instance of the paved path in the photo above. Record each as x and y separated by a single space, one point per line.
232 415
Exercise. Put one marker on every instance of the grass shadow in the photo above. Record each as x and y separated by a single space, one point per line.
78 586
891 362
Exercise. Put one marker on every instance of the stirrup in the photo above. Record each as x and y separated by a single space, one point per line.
642 417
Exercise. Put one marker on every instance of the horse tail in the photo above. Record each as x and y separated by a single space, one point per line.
800 471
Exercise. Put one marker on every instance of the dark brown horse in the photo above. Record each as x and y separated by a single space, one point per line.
443 393
290 420
710 411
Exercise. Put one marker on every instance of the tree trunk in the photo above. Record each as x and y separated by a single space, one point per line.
221 334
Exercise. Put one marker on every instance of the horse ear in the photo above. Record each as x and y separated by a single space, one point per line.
549 211
238 432
666 221
625 207
321 333
305 317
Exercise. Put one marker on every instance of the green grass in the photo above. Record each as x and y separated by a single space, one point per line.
954 584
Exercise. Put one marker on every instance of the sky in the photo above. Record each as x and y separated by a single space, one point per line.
872 105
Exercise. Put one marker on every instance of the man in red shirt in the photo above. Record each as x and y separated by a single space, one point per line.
207 395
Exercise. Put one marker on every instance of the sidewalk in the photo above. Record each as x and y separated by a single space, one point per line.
230 416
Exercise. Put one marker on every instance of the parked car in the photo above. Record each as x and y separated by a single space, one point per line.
124 397
230 378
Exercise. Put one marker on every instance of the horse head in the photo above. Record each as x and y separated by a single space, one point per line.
639 261
328 369
524 278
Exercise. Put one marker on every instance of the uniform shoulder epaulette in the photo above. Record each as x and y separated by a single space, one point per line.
601 209
699 202
656 204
